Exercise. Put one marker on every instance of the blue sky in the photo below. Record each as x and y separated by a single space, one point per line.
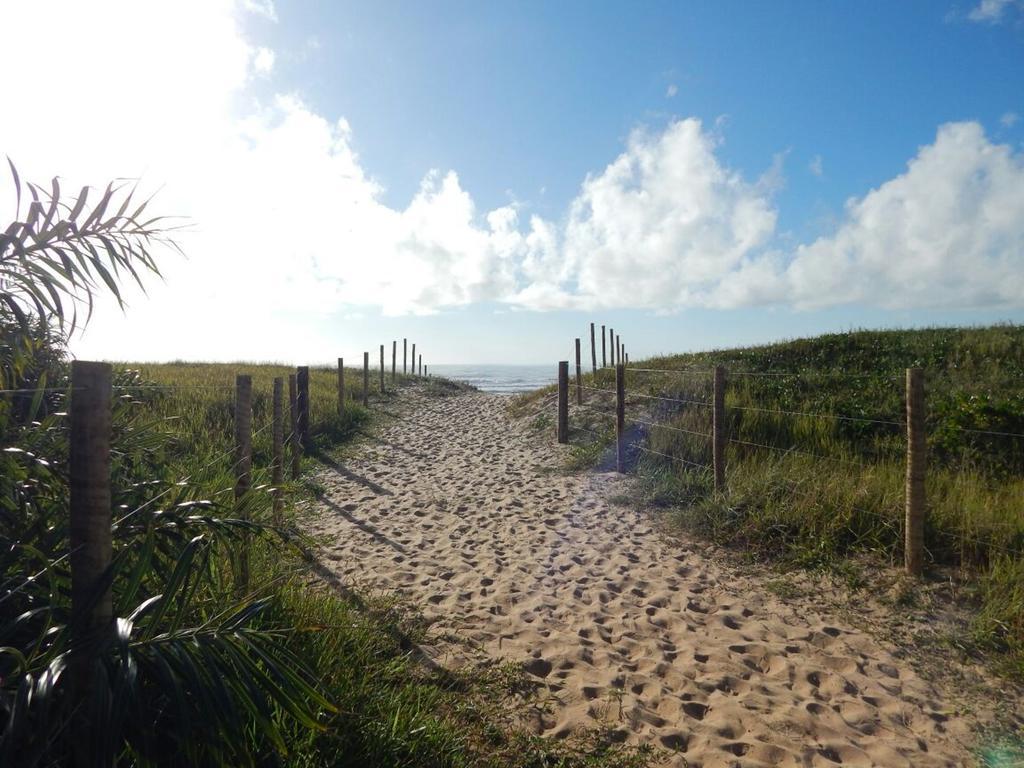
454 110
532 96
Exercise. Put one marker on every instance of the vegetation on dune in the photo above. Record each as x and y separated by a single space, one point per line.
815 465
291 673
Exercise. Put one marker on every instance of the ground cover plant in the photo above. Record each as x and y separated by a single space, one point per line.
816 463
196 669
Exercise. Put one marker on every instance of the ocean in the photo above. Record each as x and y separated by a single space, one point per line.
501 379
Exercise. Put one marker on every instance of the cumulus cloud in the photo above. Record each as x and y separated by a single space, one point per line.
1009 119
816 166
671 91
662 223
291 228
949 232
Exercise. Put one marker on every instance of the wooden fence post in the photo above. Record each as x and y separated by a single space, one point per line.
593 352
620 418
366 379
563 401
90 538
414 359
303 401
277 467
341 386
604 356
718 429
394 360
382 369
579 375
243 465
618 349
421 364
611 346
917 465
293 437
405 356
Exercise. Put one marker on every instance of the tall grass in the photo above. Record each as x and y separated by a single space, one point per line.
371 700
812 488
391 708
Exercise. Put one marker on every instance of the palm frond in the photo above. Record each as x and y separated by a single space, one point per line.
64 251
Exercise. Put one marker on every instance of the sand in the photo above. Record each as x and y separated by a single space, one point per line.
468 515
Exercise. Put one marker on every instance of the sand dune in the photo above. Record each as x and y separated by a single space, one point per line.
465 512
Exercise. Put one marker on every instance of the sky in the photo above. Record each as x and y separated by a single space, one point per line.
486 179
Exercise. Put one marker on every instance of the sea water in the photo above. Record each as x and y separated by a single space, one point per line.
501 379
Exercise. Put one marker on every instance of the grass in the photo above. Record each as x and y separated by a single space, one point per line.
392 708
812 490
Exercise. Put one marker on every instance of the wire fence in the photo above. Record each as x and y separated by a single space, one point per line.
670 425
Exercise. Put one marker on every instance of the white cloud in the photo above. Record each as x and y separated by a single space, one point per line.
662 223
991 11
1009 119
816 166
263 8
291 229
671 91
949 232
263 61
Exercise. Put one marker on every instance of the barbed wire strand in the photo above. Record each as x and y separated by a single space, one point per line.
796 451
671 428
670 399
680 371
835 416
705 467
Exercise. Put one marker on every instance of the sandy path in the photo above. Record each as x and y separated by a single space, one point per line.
464 511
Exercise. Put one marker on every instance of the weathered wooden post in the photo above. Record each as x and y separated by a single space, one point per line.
579 375
620 418
604 357
611 346
425 374
243 465
303 383
90 540
394 360
405 356
593 351
414 359
382 369
366 379
421 364
917 466
293 437
341 386
277 467
563 401
718 429
618 348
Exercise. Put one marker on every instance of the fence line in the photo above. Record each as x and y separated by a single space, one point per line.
90 489
913 426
